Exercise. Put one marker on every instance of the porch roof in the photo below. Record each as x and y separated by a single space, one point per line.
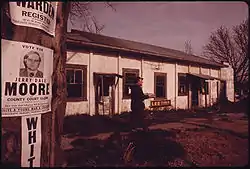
108 74
207 77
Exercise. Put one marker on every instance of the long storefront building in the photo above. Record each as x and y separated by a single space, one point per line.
100 70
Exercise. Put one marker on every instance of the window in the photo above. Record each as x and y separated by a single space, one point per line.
76 76
204 89
128 79
182 84
160 85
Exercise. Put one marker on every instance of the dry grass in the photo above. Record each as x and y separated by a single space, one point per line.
175 139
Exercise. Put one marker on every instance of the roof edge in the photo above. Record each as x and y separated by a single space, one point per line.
216 64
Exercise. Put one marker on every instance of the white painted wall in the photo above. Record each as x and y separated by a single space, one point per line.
215 73
81 106
105 63
181 101
204 71
228 76
213 85
194 69
126 62
101 63
149 68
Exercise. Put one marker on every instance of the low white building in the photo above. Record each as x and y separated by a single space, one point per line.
99 71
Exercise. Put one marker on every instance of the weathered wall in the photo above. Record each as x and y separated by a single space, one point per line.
101 63
213 87
125 62
205 71
149 68
81 106
194 69
114 63
181 101
215 72
228 76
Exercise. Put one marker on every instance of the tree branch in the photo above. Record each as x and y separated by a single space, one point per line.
82 12
231 47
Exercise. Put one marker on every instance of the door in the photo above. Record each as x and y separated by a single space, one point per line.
104 94
223 95
194 93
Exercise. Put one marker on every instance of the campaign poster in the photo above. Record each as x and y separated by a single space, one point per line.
36 14
31 141
26 78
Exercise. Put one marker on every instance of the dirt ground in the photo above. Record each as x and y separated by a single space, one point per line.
175 138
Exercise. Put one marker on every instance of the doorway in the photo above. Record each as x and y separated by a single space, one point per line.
105 86
223 95
195 85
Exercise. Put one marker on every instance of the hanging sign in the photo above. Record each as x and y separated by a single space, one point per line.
31 141
36 14
26 78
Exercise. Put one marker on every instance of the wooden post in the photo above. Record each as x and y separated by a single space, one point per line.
113 99
51 122
103 113
205 93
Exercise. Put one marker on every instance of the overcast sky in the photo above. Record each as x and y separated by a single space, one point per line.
168 24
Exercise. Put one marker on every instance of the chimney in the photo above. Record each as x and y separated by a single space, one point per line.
225 63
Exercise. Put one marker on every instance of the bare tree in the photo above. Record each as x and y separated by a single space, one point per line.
82 12
230 46
188 47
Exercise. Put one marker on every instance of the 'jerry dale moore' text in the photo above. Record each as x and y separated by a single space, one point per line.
23 86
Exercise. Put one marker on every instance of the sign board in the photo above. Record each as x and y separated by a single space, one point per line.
26 78
35 14
31 141
160 103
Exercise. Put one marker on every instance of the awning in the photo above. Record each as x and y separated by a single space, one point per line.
207 77
108 74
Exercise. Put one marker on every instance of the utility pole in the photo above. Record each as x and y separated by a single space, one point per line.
33 104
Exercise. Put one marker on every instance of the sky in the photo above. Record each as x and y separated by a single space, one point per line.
167 24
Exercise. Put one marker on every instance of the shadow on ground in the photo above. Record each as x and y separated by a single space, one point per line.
151 148
86 125
241 106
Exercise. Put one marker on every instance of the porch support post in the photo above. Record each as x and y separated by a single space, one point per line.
205 96
189 89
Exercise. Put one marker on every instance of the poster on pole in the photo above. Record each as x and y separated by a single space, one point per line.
26 78
36 14
31 141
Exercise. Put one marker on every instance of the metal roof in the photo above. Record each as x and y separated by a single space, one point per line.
137 47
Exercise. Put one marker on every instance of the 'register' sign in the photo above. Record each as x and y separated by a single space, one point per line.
26 78
36 14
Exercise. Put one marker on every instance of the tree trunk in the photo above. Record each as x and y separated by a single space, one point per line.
51 122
